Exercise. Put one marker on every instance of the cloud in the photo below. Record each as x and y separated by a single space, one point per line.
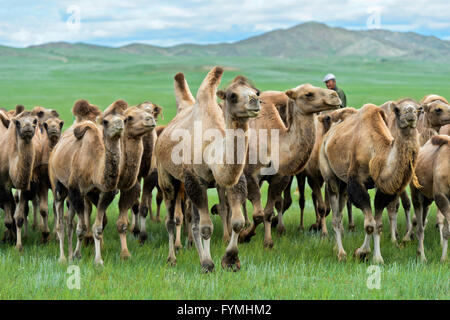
171 22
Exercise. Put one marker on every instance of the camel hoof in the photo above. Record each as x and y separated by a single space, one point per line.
342 256
136 232
125 255
351 227
361 255
77 255
171 261
190 244
281 231
226 239
246 236
207 266
158 220
62 260
324 234
230 262
178 247
19 248
268 244
314 227
143 236
377 260
98 263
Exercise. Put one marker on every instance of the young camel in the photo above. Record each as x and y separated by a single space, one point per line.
361 153
241 103
323 122
296 142
86 159
435 186
17 159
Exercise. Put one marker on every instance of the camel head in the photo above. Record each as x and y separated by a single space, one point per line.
310 99
53 127
43 114
437 112
241 99
138 122
112 119
406 113
25 124
153 109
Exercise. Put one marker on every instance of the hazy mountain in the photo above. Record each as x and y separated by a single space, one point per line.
307 40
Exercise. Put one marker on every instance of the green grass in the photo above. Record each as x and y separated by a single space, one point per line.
301 264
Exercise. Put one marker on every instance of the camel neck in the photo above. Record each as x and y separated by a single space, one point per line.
131 159
112 164
24 164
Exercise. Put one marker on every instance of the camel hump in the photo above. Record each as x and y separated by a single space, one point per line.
117 107
209 85
83 110
80 130
375 116
183 95
342 114
277 98
433 97
159 129
4 119
440 140
19 109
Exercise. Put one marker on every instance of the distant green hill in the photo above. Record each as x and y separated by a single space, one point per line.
307 40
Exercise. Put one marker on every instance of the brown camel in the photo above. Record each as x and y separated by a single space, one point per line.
433 172
17 159
323 122
434 113
362 153
86 159
292 152
210 166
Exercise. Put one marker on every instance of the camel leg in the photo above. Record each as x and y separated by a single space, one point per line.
126 200
9 206
19 218
319 205
159 199
351 222
197 192
254 195
189 226
89 237
235 195
443 205
421 205
406 203
277 184
222 208
392 209
178 221
301 179
440 220
60 195
333 194
360 198
382 200
145 207
244 211
36 208
43 209
104 201
286 202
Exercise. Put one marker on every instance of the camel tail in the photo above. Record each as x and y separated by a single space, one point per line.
183 95
209 85
440 140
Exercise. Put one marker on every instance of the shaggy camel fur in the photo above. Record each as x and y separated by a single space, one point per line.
86 159
241 103
296 142
17 160
435 186
434 113
362 153
323 122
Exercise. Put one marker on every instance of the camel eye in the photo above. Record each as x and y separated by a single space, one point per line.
130 118
397 110
309 94
34 121
438 110
105 122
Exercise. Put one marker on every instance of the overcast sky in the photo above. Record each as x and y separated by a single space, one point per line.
166 23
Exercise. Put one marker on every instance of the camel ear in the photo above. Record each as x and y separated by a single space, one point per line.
54 113
394 108
61 124
221 94
324 118
290 93
425 107
45 126
157 110
4 120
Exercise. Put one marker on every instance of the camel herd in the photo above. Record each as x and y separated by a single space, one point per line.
298 133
